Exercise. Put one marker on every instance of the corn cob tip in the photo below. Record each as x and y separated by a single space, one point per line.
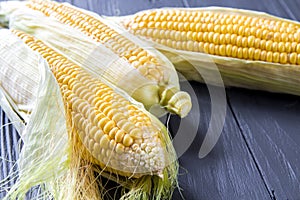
177 102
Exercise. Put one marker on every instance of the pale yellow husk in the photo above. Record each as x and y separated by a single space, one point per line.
25 76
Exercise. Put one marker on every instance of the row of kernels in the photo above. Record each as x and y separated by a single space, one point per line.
184 29
218 18
216 38
233 39
237 52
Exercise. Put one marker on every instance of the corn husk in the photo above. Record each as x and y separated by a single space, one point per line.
259 75
51 159
17 70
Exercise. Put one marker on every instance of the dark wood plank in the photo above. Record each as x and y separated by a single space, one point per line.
80 3
125 7
9 145
228 172
278 8
270 125
234 4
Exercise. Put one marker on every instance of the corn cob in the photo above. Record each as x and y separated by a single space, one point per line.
154 80
120 136
251 49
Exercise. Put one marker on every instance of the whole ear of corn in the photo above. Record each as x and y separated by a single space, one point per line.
106 51
118 134
251 49
108 129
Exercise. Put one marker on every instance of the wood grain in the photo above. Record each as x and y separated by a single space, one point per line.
9 145
270 125
228 172
280 8
126 7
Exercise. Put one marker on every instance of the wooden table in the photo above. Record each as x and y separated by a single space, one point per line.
258 153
